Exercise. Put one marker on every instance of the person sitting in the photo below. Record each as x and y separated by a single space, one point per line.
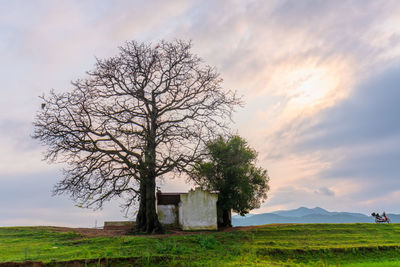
384 216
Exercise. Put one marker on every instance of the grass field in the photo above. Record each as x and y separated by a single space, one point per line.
272 245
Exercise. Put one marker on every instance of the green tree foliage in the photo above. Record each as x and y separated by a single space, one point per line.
230 169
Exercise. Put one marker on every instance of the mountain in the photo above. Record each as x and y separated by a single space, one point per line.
303 211
300 212
306 215
241 217
394 218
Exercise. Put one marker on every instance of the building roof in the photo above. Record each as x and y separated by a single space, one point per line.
174 198
168 198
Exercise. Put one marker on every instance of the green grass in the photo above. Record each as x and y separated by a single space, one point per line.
273 245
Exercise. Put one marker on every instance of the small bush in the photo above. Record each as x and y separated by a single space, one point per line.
235 251
207 241
169 247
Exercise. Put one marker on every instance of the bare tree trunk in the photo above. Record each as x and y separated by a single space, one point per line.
141 216
227 218
152 223
224 217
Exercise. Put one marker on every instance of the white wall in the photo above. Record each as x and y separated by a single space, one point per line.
198 210
167 214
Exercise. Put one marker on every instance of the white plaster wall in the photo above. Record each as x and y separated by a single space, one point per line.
167 214
180 213
198 210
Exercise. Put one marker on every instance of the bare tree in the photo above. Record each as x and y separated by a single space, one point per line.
137 116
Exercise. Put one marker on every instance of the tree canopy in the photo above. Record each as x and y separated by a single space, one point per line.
230 169
137 116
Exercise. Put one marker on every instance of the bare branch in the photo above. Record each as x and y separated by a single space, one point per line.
139 115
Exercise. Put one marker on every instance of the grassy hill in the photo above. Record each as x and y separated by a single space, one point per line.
293 244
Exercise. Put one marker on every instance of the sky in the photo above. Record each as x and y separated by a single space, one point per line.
320 81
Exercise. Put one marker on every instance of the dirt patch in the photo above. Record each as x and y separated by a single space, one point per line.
22 264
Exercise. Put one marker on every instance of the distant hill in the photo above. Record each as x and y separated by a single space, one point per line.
300 212
303 211
306 215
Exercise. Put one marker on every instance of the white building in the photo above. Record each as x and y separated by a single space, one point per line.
195 210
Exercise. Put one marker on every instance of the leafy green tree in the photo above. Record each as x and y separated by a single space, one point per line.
230 169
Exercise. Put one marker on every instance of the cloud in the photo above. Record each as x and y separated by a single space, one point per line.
367 117
369 114
326 137
19 153
26 199
360 137
290 59
291 197
324 191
